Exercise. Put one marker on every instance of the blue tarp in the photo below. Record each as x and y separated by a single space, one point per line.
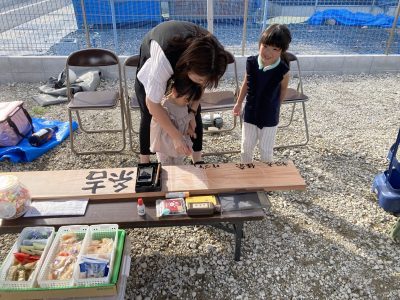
99 12
346 17
24 152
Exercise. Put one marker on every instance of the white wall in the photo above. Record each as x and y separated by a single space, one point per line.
40 68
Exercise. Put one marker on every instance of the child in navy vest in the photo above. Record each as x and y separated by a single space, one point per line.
265 84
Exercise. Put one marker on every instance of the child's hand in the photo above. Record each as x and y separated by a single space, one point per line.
237 109
181 147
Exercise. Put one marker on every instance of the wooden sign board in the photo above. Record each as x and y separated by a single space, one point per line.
119 183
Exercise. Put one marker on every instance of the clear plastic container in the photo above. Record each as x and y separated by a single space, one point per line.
98 232
44 278
14 197
27 233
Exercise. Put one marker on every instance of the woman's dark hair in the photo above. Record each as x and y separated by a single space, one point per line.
184 87
202 55
277 35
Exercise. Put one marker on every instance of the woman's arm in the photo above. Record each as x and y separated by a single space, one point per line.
284 86
154 76
193 106
160 114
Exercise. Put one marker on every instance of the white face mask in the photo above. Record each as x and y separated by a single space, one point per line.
266 68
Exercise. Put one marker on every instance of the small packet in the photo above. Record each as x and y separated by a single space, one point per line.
170 207
92 267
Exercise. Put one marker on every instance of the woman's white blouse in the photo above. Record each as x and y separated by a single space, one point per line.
155 73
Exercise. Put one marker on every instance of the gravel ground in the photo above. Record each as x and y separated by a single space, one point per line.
330 241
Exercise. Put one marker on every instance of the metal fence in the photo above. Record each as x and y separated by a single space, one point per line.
58 27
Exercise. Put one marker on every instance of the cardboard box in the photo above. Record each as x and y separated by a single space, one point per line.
113 290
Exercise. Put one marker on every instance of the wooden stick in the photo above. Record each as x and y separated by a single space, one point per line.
157 174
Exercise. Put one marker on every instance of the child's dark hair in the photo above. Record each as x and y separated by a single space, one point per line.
277 35
184 87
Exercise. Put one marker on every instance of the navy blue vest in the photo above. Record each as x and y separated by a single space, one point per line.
263 93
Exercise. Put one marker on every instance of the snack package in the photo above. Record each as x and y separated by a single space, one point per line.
92 267
170 207
200 199
101 248
67 253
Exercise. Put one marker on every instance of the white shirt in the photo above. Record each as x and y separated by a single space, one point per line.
155 73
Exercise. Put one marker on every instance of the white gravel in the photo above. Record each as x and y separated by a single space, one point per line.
328 242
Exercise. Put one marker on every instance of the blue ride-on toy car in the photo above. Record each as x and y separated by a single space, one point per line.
387 184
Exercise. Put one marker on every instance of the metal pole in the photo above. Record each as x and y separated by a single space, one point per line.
114 22
389 43
210 28
265 16
315 5
210 16
372 6
85 24
246 6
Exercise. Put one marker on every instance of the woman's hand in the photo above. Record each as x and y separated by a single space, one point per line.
237 109
181 147
191 133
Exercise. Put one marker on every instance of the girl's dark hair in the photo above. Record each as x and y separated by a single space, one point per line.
184 87
277 35
202 55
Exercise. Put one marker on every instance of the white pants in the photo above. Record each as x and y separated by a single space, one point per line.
266 141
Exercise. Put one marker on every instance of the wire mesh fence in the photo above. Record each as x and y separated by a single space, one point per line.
58 27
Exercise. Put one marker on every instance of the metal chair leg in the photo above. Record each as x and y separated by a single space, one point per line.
93 131
71 133
131 131
291 117
305 128
96 131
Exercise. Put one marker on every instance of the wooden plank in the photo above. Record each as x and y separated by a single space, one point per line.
93 184
231 178
201 179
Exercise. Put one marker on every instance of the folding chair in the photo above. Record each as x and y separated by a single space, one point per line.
131 102
94 100
213 101
294 96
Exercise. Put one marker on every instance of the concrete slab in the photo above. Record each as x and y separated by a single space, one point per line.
40 68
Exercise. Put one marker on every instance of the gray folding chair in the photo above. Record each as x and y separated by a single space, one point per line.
131 102
294 96
94 100
216 101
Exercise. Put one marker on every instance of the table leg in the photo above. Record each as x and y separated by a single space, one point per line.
238 227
